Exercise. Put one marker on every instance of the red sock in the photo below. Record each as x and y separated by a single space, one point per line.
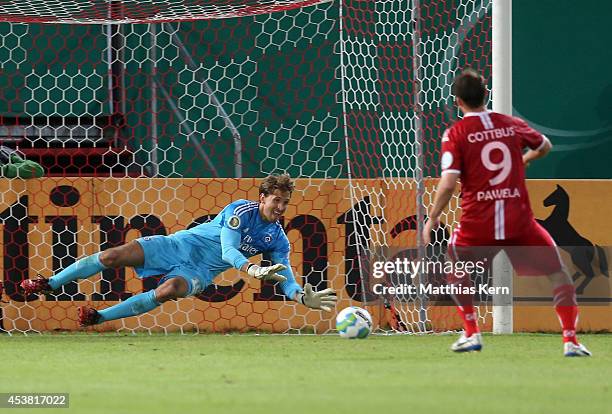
465 305
567 310
470 319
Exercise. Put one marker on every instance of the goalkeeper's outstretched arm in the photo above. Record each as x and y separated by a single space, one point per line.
322 300
280 271
230 242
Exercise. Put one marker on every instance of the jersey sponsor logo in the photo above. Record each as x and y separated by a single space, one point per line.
233 222
247 248
447 160
498 194
490 134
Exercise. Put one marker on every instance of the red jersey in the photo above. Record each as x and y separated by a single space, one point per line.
486 149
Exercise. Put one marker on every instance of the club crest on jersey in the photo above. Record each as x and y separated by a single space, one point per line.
267 238
233 222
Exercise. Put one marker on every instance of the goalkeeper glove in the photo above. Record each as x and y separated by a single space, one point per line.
267 272
323 300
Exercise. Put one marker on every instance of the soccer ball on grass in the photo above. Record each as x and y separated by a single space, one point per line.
354 322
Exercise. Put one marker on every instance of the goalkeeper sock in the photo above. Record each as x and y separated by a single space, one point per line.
470 320
567 311
81 269
135 305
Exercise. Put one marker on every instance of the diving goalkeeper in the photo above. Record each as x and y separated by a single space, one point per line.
189 260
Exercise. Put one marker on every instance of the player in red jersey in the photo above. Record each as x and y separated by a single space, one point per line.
486 150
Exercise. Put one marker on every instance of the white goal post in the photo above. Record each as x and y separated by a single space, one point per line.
502 103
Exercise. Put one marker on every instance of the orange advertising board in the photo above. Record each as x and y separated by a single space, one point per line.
49 222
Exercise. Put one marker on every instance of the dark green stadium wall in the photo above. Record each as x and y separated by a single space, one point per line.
563 83
40 62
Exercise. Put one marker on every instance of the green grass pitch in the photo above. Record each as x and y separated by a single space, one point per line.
308 374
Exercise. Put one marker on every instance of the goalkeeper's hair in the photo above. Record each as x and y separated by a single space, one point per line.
470 86
275 182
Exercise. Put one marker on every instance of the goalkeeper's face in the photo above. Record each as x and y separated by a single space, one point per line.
273 206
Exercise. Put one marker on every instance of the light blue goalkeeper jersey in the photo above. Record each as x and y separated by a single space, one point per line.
237 233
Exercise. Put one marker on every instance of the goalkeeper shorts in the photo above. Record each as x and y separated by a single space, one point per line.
165 256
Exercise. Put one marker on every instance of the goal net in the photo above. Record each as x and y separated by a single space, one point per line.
150 116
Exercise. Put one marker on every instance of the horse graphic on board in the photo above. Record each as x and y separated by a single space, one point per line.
580 249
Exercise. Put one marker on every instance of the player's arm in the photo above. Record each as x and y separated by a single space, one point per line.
540 152
290 287
230 252
230 245
323 300
451 164
536 143
444 192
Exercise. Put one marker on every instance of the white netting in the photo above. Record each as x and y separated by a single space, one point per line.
138 11
146 128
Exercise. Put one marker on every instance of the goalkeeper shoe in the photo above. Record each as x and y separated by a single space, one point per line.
38 285
464 344
88 316
571 349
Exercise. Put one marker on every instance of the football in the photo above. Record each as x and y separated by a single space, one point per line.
354 322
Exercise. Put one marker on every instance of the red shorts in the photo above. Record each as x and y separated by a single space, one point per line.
533 253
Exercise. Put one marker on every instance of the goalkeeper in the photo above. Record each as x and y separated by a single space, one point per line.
190 259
